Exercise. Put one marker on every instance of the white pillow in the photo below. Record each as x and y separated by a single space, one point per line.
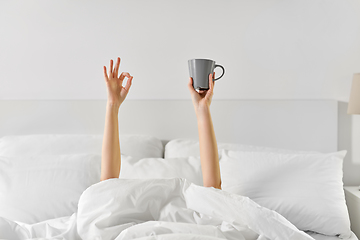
187 147
133 145
141 146
156 168
307 189
37 188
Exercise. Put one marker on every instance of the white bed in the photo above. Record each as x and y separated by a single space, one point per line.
151 130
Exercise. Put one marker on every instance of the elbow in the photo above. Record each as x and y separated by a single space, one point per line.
214 184
103 179
106 178
108 175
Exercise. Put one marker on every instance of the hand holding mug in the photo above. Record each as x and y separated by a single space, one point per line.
202 99
199 70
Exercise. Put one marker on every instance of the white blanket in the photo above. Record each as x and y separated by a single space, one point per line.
159 209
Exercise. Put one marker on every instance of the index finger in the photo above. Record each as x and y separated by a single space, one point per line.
123 75
190 85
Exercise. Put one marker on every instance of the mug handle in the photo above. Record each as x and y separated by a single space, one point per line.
221 74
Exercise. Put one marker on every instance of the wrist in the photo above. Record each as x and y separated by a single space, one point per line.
113 106
202 113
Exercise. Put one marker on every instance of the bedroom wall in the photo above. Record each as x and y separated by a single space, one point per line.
271 49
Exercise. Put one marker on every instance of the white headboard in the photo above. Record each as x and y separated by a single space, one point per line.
292 124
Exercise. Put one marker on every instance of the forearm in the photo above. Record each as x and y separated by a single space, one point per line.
208 149
111 158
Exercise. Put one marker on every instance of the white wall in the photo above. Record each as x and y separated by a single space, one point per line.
271 49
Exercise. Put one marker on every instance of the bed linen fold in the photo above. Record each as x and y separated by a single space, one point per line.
159 209
111 209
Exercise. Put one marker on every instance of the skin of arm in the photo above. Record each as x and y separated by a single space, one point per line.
111 156
208 146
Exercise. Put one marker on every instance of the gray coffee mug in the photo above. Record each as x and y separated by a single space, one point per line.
200 70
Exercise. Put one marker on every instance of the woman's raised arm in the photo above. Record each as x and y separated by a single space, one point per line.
208 147
111 156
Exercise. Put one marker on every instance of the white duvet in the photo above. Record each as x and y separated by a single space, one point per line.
159 209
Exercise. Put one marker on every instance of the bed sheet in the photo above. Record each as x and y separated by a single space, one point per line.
159 209
141 209
66 226
317 236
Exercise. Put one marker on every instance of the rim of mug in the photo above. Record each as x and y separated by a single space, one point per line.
201 59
